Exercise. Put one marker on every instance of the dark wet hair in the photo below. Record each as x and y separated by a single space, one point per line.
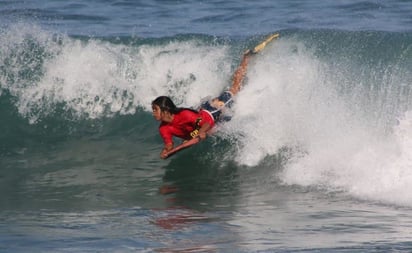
166 104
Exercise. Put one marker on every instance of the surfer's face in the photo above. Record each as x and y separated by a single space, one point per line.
156 112
160 115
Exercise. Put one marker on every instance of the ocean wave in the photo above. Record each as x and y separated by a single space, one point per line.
328 100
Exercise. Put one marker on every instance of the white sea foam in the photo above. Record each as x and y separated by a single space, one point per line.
292 100
95 78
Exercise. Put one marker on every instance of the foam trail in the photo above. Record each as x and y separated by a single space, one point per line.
387 164
292 101
285 104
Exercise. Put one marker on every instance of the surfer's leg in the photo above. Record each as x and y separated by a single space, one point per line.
239 74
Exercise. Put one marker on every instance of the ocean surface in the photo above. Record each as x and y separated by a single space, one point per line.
317 156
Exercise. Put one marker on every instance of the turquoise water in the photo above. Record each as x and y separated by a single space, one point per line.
316 157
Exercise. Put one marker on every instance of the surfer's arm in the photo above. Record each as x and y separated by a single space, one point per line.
203 131
182 146
199 137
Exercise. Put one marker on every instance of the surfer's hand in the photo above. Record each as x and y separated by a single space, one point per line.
201 136
165 152
203 131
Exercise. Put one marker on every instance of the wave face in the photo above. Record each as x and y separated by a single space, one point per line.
333 106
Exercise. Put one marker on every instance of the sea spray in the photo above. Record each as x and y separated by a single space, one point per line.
92 78
342 135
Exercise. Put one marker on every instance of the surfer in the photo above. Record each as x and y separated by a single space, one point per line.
190 125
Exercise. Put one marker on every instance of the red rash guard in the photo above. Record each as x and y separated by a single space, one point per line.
183 124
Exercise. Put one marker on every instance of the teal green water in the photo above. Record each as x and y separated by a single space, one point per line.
316 157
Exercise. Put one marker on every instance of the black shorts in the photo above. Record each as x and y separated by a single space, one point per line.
225 100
